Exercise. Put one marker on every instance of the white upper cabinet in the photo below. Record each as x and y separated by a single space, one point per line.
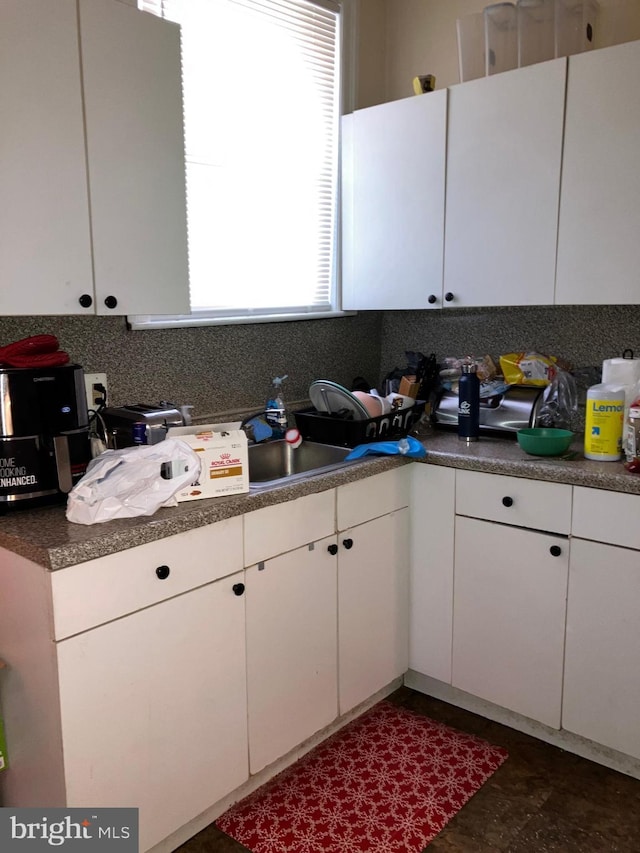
45 248
598 245
92 177
135 143
504 151
393 181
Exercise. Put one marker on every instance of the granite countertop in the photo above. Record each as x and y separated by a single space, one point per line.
47 538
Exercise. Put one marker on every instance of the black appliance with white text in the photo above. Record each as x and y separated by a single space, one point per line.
44 433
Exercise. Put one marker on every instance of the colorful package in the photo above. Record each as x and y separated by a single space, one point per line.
528 368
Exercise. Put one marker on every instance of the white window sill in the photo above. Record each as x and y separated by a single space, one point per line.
144 321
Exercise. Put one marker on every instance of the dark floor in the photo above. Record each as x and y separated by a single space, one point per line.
541 799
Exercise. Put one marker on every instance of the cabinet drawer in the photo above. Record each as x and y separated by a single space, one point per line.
372 497
609 517
97 591
514 500
274 530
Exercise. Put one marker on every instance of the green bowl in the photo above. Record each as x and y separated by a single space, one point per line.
544 441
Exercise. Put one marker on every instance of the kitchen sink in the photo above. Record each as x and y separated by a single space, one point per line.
274 463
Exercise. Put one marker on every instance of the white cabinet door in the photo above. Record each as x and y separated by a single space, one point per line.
509 605
291 649
601 675
598 246
153 709
504 149
45 247
394 173
135 149
373 606
92 174
432 508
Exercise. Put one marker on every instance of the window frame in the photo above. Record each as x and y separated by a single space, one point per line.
346 98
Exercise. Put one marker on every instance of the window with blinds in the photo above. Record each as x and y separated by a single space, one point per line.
261 83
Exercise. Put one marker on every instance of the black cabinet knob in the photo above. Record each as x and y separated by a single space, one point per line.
332 549
432 299
348 543
507 501
555 550
238 589
85 300
448 297
163 572
110 301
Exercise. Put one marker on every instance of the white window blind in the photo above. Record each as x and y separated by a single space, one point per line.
261 83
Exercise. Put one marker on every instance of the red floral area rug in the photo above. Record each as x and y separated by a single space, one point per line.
388 782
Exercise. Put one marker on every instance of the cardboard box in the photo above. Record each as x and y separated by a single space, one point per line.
224 456
409 387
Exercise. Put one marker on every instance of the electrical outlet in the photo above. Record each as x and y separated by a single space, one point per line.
95 394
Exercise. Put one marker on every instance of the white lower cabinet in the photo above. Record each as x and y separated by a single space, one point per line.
127 679
508 617
162 677
327 617
291 649
373 584
510 591
153 708
432 509
373 605
601 676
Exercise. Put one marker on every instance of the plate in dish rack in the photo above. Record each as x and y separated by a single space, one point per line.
329 398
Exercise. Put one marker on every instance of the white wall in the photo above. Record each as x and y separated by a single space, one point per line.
371 52
421 39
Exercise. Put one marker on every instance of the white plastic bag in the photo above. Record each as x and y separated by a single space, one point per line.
133 481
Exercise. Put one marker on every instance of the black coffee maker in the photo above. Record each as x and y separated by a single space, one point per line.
44 434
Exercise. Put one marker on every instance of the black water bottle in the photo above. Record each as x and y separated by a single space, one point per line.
469 404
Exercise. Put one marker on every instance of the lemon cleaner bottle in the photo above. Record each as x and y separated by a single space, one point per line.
604 422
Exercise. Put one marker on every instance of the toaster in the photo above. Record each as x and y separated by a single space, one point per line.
126 426
502 414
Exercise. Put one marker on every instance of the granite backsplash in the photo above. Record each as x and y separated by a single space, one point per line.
214 368
584 335
220 368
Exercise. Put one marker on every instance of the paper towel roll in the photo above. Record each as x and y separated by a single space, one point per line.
622 371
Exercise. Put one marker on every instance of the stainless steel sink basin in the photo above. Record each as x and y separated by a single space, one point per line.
276 462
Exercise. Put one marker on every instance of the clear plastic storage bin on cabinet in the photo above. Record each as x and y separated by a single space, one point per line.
500 32
511 35
575 26
470 31
536 31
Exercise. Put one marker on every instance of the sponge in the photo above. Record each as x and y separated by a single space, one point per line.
261 429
